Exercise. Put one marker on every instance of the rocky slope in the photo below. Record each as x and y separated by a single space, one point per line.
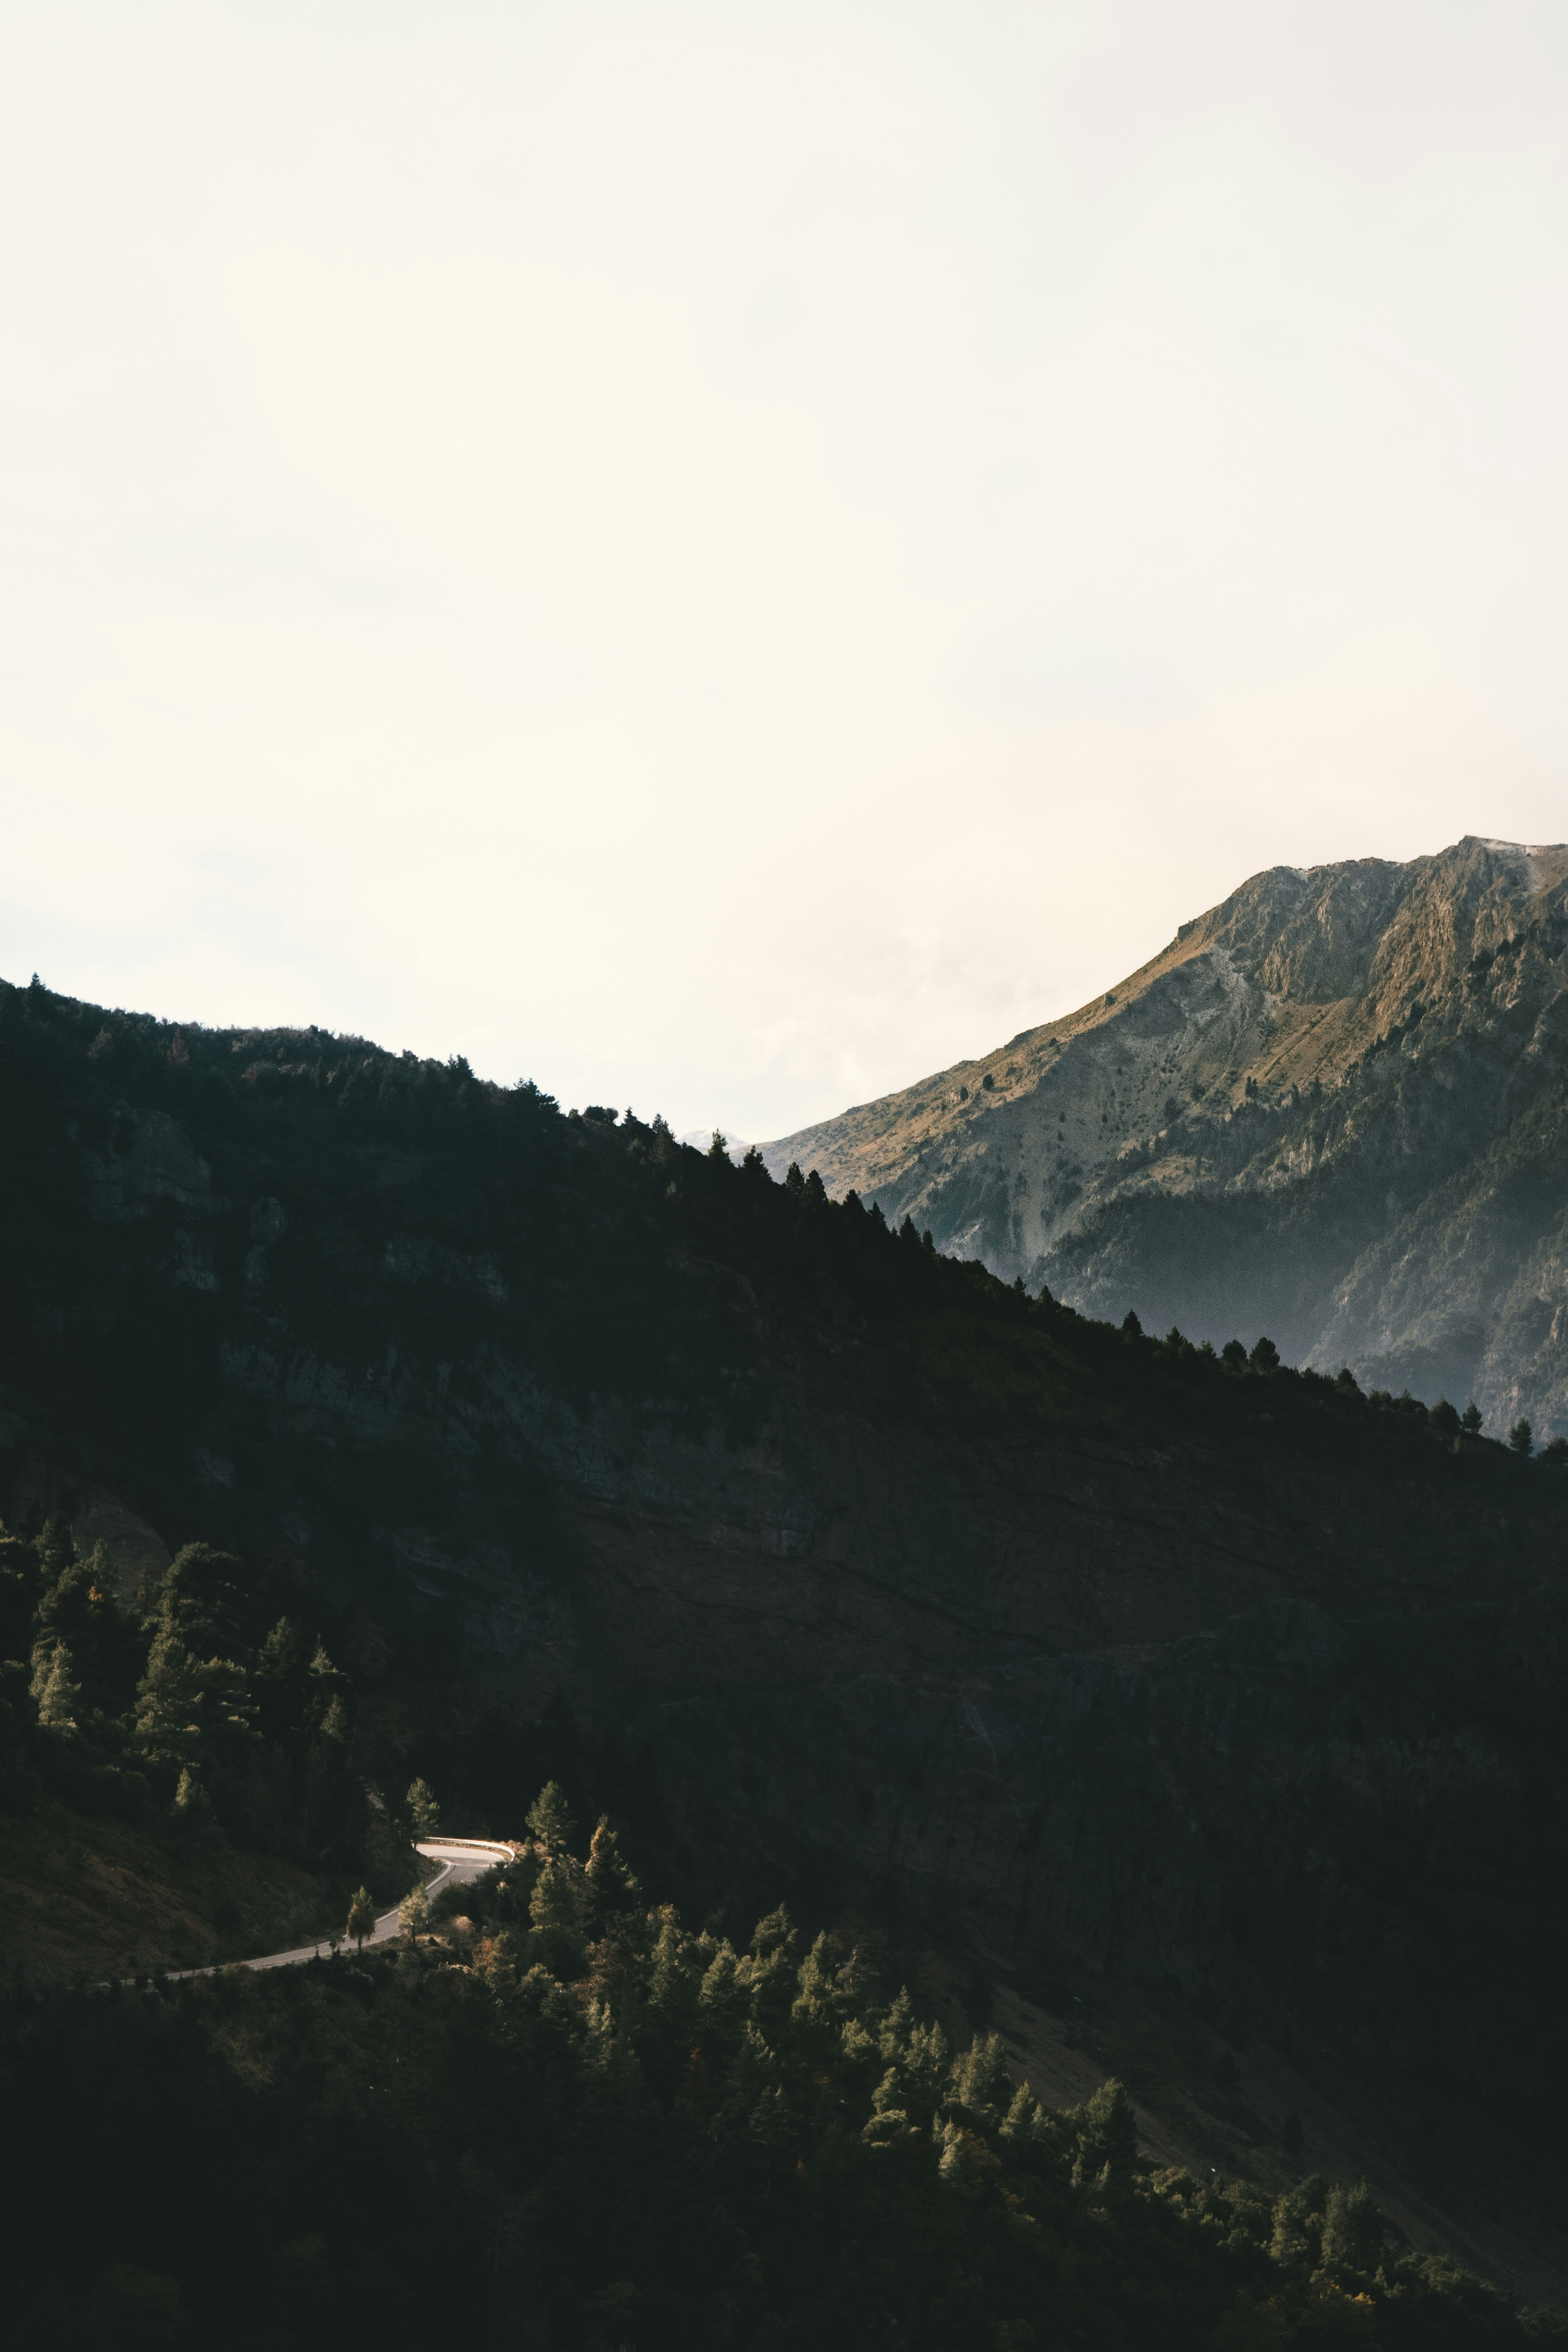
1218 1679
1334 1108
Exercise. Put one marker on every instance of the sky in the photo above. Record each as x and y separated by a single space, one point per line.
723 558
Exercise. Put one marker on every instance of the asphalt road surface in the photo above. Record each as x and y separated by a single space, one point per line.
460 1858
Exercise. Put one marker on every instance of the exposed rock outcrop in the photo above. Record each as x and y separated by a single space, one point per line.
1334 1108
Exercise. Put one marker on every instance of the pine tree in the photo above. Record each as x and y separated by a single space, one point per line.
774 1934
1265 1356
613 1886
53 1551
362 1918
1108 2138
979 2081
560 1898
278 1656
673 1982
722 1995
1470 1420
57 1690
1445 1420
1521 1440
166 1727
1352 2229
414 1913
550 1820
424 1813
201 1597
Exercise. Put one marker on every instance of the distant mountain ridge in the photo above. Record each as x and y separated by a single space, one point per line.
1334 1108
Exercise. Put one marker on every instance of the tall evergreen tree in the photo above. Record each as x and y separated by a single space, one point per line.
550 1820
424 1813
360 1920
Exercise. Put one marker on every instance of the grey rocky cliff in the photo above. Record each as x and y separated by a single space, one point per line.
1334 1110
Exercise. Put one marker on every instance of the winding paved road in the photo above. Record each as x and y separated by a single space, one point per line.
460 1858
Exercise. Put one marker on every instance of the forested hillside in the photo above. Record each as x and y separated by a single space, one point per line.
1106 1660
569 2120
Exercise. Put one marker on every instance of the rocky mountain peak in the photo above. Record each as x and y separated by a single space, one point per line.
1339 1071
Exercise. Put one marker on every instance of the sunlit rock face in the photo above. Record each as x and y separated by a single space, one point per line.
1334 1108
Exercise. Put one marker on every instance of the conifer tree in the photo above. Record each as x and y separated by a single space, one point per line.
1470 1419
560 1898
673 1982
280 1654
166 1727
1108 2138
613 1885
722 1995
979 2081
1521 1440
360 1920
57 1690
201 1599
424 1813
414 1913
550 1820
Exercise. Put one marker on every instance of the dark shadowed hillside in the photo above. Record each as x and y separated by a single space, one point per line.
1111 1660
1334 1108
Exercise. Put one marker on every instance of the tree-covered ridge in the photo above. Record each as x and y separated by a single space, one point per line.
568 2120
412 1205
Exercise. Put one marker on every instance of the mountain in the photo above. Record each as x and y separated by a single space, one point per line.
1333 1109
1105 1669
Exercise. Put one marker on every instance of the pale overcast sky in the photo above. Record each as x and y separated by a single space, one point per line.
725 557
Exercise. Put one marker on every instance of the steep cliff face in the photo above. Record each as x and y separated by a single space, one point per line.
1332 1109
1224 1679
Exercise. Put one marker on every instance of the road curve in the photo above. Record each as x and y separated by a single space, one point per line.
460 1858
